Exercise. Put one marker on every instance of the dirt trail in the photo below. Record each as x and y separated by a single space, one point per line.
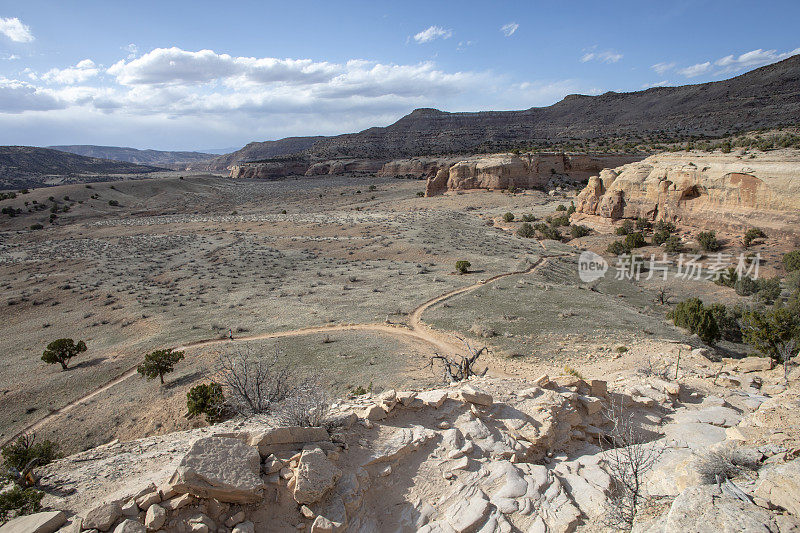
416 329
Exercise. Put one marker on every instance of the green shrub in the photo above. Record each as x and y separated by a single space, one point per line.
673 244
751 235
745 286
548 232
663 225
526 230
634 240
563 220
791 261
660 237
18 453
36 227
727 319
206 399
578 231
617 248
528 218
727 277
463 266
571 209
769 332
643 224
692 315
708 241
769 290
625 228
113 203
18 502
508 217
561 207
158 363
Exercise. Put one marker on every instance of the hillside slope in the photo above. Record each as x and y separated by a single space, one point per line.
255 151
28 166
133 155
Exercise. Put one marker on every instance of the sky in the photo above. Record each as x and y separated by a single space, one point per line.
194 75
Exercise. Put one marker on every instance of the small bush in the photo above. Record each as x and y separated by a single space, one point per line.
113 203
526 230
660 237
578 231
751 235
561 207
663 225
508 217
791 261
769 290
528 218
727 319
206 399
617 248
308 406
462 267
727 463
673 244
572 372
18 502
36 227
693 316
708 241
745 286
548 232
563 220
643 224
634 240
21 452
625 228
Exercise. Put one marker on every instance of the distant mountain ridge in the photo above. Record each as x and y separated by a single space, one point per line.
134 155
767 97
29 166
255 151
762 98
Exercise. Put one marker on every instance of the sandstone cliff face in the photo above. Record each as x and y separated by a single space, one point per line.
525 171
715 190
303 167
344 167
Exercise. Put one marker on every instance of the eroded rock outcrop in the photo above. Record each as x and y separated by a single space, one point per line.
503 171
726 191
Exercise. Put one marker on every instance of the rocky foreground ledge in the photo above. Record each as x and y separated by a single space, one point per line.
486 455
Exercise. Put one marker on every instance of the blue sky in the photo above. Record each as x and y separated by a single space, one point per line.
194 75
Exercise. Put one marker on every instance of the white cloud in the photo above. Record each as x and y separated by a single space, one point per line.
8 57
132 50
432 33
80 73
509 29
18 96
14 29
661 68
226 96
607 56
733 63
695 70
663 83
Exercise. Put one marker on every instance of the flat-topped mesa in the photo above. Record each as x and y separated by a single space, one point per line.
503 171
715 190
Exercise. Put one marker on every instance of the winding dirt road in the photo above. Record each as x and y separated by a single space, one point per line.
416 329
